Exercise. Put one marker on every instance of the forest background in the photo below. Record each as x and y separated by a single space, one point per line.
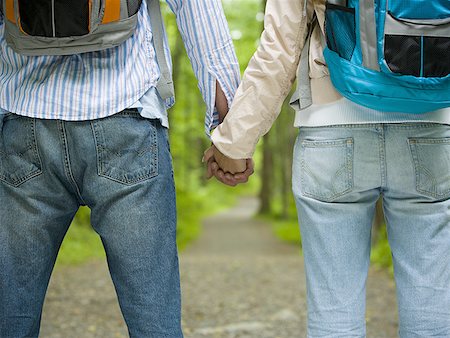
198 197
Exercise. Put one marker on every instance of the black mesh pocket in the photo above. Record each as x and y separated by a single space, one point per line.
436 59
418 56
36 17
57 18
403 54
340 28
71 17
133 6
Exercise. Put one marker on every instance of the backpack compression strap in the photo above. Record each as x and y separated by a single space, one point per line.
112 11
367 28
165 84
9 11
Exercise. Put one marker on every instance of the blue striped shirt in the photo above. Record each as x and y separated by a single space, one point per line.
98 84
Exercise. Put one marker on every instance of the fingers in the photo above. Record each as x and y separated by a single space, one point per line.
213 169
228 164
222 174
229 178
208 154
225 178
244 176
210 166
251 165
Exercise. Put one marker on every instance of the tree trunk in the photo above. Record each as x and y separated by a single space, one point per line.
266 192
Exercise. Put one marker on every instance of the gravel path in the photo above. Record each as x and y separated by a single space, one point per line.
237 281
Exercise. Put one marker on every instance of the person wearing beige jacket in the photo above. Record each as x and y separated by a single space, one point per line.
346 157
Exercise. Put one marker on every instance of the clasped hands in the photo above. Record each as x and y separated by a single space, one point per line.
226 170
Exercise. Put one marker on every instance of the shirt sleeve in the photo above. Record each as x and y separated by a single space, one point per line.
208 43
267 79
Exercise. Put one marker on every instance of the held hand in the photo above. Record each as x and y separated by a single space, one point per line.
226 170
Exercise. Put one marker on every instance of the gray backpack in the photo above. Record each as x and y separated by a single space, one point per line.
66 27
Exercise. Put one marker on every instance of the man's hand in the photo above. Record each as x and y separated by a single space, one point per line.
228 171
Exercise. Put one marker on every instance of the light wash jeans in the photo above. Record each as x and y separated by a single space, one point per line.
338 175
121 168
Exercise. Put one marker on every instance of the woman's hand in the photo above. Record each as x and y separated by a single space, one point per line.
227 170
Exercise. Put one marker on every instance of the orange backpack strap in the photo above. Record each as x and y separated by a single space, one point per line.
112 11
9 11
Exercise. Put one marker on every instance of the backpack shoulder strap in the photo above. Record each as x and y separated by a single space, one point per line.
367 32
165 83
302 97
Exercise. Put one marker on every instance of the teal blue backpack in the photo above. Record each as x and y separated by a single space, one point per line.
390 55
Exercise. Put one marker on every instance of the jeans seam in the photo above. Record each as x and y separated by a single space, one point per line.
66 160
350 166
382 152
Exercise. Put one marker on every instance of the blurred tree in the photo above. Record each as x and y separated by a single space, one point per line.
275 193
265 193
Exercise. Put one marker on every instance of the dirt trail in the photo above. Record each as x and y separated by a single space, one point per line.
238 280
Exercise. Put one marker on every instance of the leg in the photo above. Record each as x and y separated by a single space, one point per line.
133 210
417 209
336 176
35 212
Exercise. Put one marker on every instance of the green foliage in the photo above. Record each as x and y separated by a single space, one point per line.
287 230
81 242
381 253
284 220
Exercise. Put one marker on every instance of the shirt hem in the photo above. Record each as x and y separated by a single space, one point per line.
344 111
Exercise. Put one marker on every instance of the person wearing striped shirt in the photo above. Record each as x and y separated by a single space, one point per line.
91 129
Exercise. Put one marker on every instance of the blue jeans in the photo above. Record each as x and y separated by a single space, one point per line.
338 175
120 167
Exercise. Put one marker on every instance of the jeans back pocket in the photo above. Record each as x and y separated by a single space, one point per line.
326 168
127 147
19 156
431 158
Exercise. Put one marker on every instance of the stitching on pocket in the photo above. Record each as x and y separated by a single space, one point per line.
14 176
428 182
317 186
107 158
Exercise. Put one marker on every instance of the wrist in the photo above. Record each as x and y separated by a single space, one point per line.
221 102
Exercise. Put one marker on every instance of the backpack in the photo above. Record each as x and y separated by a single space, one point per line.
67 27
390 55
